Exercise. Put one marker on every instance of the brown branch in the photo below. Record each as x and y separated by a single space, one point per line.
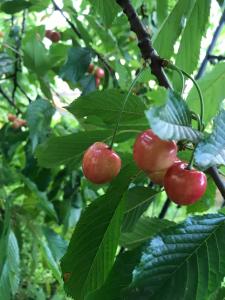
144 43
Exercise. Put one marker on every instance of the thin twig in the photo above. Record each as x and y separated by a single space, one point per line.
17 56
211 46
164 209
10 100
23 92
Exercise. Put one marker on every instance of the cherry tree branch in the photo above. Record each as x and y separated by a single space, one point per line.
149 53
10 100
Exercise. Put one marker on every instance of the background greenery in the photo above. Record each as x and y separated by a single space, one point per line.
42 188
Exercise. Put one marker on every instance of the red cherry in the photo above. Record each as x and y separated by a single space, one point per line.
55 36
100 73
100 163
91 68
184 186
157 177
12 117
97 81
152 154
48 33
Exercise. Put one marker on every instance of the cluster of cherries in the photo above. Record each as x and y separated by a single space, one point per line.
157 158
53 36
99 73
16 122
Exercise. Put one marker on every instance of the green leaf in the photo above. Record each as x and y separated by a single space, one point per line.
173 120
106 106
76 65
50 260
10 273
107 10
36 56
172 28
14 6
211 151
39 115
67 149
213 92
183 262
188 53
218 295
56 243
144 229
93 246
162 10
6 64
207 201
119 278
138 200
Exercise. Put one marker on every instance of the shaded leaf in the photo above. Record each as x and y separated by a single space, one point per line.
138 200
14 6
93 246
119 277
76 65
183 262
39 115
144 229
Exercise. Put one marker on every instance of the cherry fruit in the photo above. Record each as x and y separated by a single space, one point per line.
100 163
12 117
184 186
55 36
100 73
91 68
152 154
48 33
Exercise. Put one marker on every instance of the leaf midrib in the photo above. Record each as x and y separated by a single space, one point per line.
194 252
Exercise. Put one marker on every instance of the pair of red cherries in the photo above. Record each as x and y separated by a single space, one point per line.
157 158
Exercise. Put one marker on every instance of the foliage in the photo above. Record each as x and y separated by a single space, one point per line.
62 236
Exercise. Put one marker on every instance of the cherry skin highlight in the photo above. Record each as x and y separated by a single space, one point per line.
184 186
100 73
152 154
100 163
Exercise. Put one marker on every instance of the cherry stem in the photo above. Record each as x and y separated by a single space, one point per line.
182 78
172 66
123 106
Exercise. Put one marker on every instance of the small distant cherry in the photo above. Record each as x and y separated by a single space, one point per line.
184 186
91 68
11 117
48 33
55 36
100 73
100 163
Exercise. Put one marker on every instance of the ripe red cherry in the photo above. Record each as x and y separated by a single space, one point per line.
100 163
48 33
12 117
55 36
97 81
184 186
157 177
152 154
91 68
100 73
